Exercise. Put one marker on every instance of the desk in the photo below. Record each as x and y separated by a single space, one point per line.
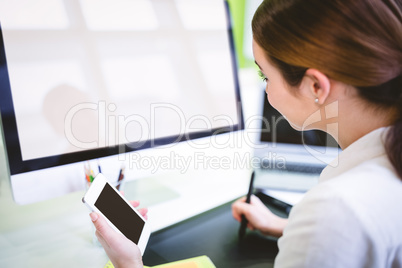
58 232
215 234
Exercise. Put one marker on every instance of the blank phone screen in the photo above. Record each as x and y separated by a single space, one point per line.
120 213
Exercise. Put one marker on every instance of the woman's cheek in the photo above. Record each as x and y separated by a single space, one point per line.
290 120
275 102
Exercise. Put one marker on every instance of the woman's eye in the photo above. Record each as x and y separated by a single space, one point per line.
262 76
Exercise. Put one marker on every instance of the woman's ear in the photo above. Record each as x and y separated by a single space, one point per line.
316 84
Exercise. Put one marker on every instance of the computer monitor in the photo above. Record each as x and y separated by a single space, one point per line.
89 79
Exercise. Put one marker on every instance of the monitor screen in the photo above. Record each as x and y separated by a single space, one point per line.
87 79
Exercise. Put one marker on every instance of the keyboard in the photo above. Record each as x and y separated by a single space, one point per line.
293 178
292 167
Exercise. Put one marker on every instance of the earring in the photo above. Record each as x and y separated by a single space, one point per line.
316 100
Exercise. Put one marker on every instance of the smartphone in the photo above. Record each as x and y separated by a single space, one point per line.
104 199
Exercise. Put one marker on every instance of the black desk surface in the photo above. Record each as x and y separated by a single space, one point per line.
215 234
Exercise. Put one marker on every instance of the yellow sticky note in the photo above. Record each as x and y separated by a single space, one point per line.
186 264
197 262
109 264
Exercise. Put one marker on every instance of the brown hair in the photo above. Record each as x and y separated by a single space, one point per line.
357 42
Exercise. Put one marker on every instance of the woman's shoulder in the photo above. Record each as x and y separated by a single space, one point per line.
344 220
365 191
364 202
372 182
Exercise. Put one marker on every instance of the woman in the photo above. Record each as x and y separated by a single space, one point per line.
339 61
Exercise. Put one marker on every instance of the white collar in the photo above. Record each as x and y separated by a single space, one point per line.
367 147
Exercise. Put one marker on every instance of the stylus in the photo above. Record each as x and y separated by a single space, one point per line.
244 221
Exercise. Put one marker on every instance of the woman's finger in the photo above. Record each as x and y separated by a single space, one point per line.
104 232
143 212
135 203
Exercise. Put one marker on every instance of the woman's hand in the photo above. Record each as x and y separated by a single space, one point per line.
259 216
142 211
123 253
